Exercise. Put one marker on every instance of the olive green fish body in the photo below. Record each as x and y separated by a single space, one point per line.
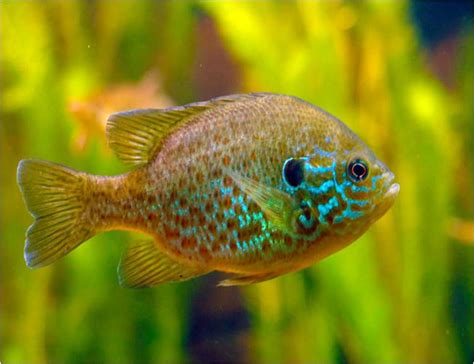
257 185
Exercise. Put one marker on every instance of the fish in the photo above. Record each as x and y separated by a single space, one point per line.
253 185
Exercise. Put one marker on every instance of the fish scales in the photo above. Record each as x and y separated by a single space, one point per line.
257 185
229 138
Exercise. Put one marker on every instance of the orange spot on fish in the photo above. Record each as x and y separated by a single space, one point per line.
189 243
233 246
214 173
171 233
245 234
209 207
199 177
220 217
238 209
227 202
226 160
227 181
253 156
236 191
202 219
173 195
212 227
231 224
223 237
184 222
203 252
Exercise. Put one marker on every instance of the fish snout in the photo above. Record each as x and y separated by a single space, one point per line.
390 187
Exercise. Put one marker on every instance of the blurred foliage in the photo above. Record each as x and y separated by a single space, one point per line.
403 293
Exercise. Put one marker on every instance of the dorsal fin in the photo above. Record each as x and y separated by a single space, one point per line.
137 135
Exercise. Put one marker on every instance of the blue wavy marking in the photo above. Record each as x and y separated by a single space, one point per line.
321 189
319 169
325 209
324 153
339 188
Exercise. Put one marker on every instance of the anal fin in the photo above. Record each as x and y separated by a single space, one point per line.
244 279
144 265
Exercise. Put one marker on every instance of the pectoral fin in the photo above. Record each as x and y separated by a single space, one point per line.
275 204
144 265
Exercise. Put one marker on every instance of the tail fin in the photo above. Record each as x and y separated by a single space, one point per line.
54 196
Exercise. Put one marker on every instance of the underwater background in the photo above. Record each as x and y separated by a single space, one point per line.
399 73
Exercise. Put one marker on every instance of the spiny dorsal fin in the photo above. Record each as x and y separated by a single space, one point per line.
143 265
137 135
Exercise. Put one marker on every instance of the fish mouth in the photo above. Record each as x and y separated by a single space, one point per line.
394 188
388 196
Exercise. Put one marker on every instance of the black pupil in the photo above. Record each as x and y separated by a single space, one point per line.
358 170
293 172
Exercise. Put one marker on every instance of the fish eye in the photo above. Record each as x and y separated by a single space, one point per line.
293 172
358 170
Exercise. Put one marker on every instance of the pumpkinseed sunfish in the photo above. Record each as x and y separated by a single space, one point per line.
256 185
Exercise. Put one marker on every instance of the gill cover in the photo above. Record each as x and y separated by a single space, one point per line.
293 217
